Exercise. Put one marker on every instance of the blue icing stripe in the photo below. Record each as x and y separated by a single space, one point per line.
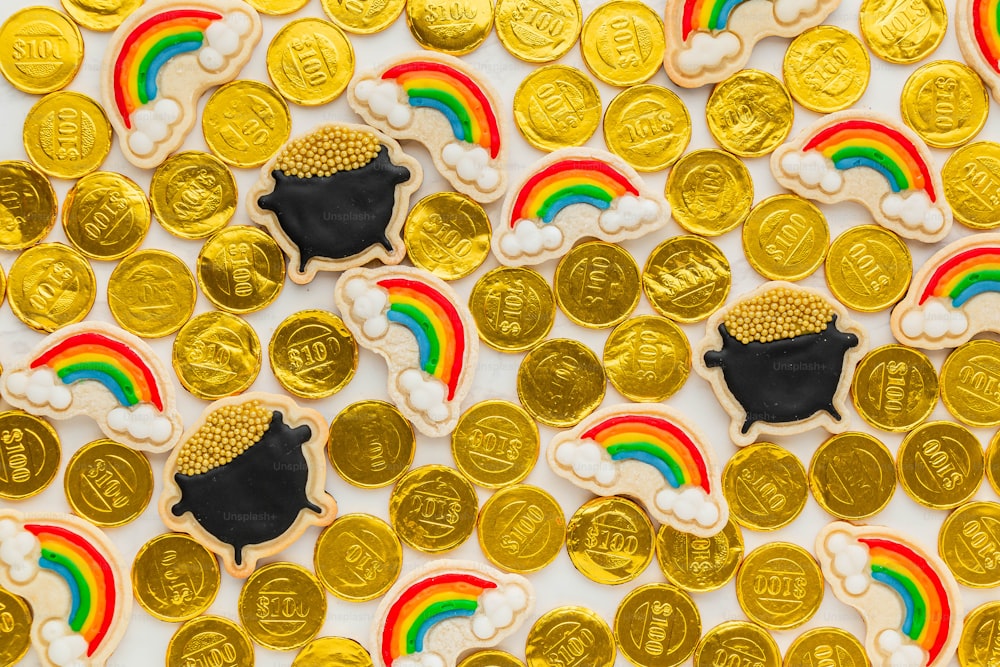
453 120
891 582
569 200
649 459
98 376
74 589
860 161
161 59
423 343
975 289
434 620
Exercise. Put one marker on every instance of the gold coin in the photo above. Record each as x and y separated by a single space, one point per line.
358 557
623 42
557 106
868 268
570 636
310 61
151 293
969 543
193 194
277 7
198 642
597 284
327 651
241 269
993 462
28 205
737 643
852 476
312 354
67 135
105 215
245 123
940 464
51 285
971 177
371 444
29 455
15 619
647 126
980 641
363 17
216 355
521 528
282 606
826 646
490 658
895 387
41 50
610 540
765 486
944 102
750 113
433 509
657 625
447 234
710 192
699 564
452 27
686 278
174 577
538 31
495 444
560 381
903 32
826 69
779 585
513 308
970 383
647 358
108 484
100 15
785 237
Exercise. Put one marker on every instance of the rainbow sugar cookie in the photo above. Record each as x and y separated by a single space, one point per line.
979 38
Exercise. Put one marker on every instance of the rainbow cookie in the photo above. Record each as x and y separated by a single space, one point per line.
860 156
977 23
445 609
909 600
105 373
424 332
707 40
159 62
441 102
339 211
570 194
75 581
248 478
780 360
649 452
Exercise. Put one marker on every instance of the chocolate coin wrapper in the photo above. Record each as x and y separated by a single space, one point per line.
103 372
979 38
859 156
75 581
248 478
424 332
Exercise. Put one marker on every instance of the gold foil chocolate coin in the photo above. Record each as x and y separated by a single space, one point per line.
826 646
216 355
969 544
521 528
363 17
108 484
765 486
970 383
51 285
894 387
495 444
647 126
737 643
647 358
174 577
447 234
358 557
597 284
433 509
312 354
826 69
868 268
310 61
623 42
151 293
193 194
560 381
67 135
198 641
536 31
15 620
852 476
785 237
779 585
979 643
710 192
570 635
610 540
750 113
657 625
940 464
28 205
327 651
277 7
993 462
686 278
557 106
241 269
282 606
105 215
245 123
513 308
971 177
699 564
41 50
455 27
371 444
100 15
903 32
945 103
30 453
491 658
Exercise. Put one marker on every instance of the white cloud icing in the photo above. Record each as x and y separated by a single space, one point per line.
425 659
850 561
789 11
472 164
41 387
65 647
935 320
689 504
901 651
368 306
425 394
530 238
383 99
705 51
18 551
498 608
142 422
914 210
813 169
628 212
151 125
587 460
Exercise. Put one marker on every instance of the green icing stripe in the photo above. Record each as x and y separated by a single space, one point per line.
430 612
877 156
76 623
424 322
652 450
919 604
584 189
123 381
160 46
990 275
449 101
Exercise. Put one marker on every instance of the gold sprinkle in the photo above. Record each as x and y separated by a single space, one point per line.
227 433
327 151
778 314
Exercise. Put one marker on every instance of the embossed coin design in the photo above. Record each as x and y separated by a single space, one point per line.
310 61
785 237
312 354
108 484
282 606
538 31
903 32
699 564
978 644
67 135
41 50
852 476
495 444
358 557
944 102
623 42
765 486
970 383
29 455
327 651
993 462
779 585
969 544
151 293
363 17
597 284
647 126
456 28
447 234
557 106
610 540
193 194
647 358
241 269
826 646
657 625
570 631
196 640
521 528
868 268
371 444
174 577
16 620
710 192
100 15
433 509
513 308
51 285
105 215
245 123
971 177
277 7
895 387
750 113
560 381
686 278
940 464
216 355
28 205
826 69
491 658
737 642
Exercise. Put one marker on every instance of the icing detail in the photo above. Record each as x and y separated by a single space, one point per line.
41 388
384 101
18 551
472 164
706 51
530 239
984 21
565 182
789 11
964 275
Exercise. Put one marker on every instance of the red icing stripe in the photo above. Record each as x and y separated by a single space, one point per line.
688 19
977 31
569 165
952 262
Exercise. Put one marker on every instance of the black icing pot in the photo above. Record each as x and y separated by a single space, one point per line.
784 380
